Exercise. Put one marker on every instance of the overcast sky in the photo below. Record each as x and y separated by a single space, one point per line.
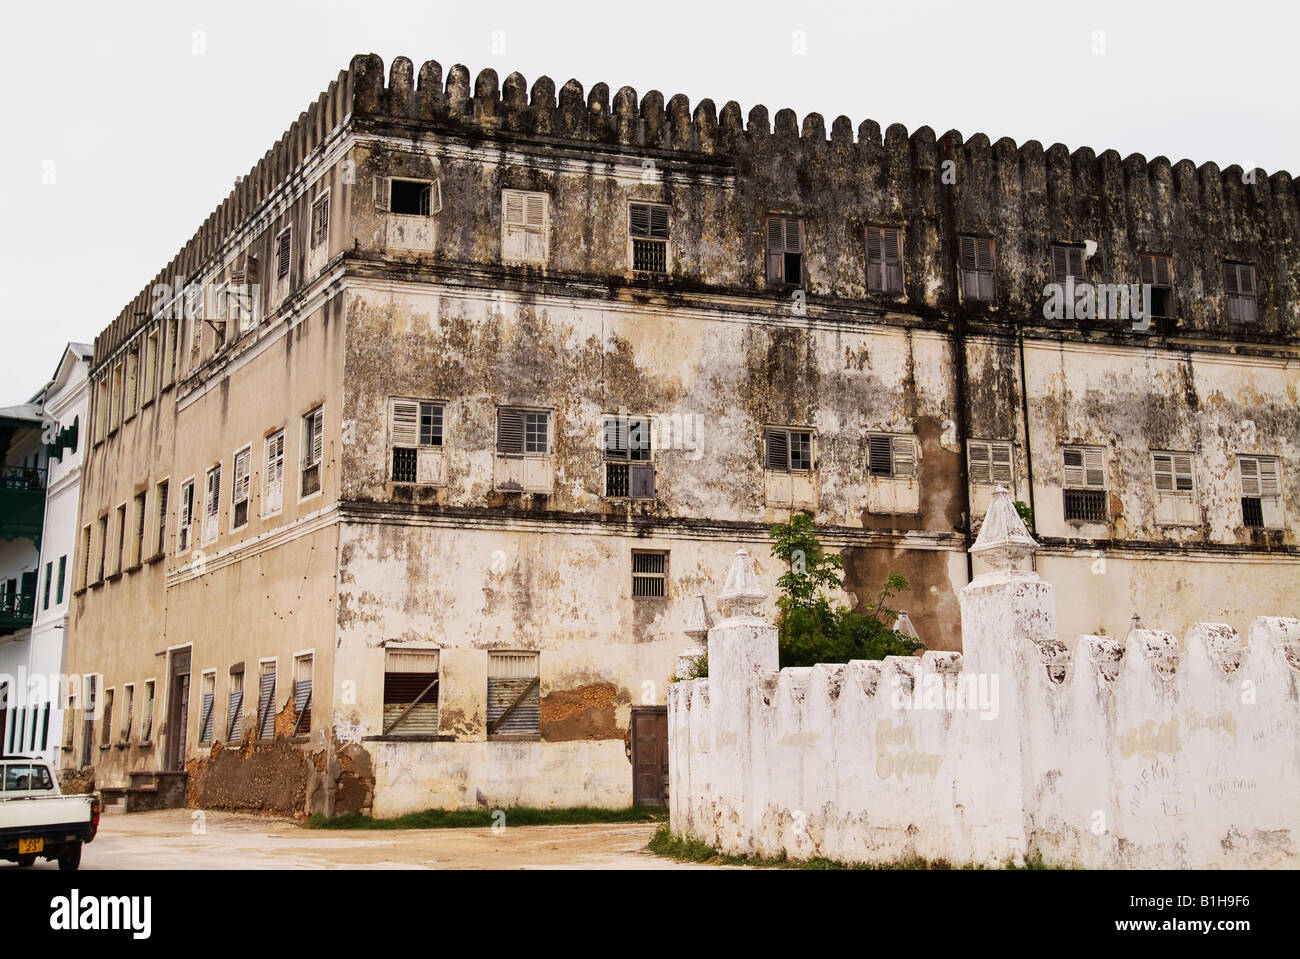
127 123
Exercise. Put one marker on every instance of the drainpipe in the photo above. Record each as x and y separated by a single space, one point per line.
1029 454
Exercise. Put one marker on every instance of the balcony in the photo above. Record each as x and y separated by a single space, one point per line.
22 503
16 611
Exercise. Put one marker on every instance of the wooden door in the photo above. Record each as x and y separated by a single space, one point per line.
650 755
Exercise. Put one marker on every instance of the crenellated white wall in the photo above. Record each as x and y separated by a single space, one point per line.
1142 753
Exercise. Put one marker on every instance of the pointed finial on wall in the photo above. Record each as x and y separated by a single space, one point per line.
1004 539
741 594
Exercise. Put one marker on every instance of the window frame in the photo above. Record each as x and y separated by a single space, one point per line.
247 502
1274 497
773 257
789 432
894 474
524 228
645 576
213 489
1234 295
649 237
270 467
990 445
525 412
319 234
185 511
625 458
308 449
883 263
975 270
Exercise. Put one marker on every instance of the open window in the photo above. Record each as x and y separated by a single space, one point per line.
648 237
629 470
1084 484
410 692
512 695
785 248
1261 492
415 441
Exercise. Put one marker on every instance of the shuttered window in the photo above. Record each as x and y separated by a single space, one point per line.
146 714
628 449
128 713
409 197
283 246
787 450
1239 283
185 519
239 490
1084 476
522 431
1067 261
989 462
137 551
649 574
648 232
160 497
891 455
207 705
302 683
320 221
313 439
211 503
523 227
106 724
884 260
1173 472
411 692
235 706
273 477
1261 486
512 694
266 702
785 249
412 424
1156 272
976 264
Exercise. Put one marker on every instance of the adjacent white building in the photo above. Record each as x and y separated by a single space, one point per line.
40 483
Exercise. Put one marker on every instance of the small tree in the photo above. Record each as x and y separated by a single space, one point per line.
812 630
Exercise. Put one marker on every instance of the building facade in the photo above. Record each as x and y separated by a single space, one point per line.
38 519
404 469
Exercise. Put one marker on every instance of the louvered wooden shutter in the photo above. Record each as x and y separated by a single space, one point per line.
235 711
1093 468
1073 466
274 485
880 455
1060 264
875 259
317 435
205 720
266 705
383 191
321 221
778 450
904 456
535 210
980 463
514 208
1001 470
775 248
243 481
968 261
510 431
1183 473
282 246
302 683
616 444
405 423
509 675
1164 472
211 503
1249 476
893 253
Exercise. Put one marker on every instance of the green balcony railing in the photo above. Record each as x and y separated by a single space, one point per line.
22 503
16 611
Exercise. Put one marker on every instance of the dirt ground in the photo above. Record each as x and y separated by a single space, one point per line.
186 839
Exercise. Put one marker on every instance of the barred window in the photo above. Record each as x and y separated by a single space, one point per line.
648 231
649 574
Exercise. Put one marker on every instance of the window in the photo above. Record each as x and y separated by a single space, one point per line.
629 474
413 425
117 399
1067 262
273 478
101 410
512 700
523 226
789 450
137 552
132 381
313 438
185 519
235 705
976 267
302 679
266 702
84 579
102 532
412 197
88 718
239 490
988 462
890 455
128 717
320 221
884 260
648 233
1239 282
106 726
63 568
120 531
49 576
1174 488
521 432
785 250
67 720
206 703
150 372
211 503
1084 484
160 497
410 692
1156 273
1261 486
146 716
649 574
194 313
283 259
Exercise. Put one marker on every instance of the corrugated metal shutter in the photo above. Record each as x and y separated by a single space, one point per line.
509 675
235 715
266 706
205 721
302 693
407 674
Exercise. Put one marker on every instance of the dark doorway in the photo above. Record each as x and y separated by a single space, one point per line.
178 709
650 755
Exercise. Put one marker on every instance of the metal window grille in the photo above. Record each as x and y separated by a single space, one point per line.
404 464
411 692
649 574
513 694
648 227
266 703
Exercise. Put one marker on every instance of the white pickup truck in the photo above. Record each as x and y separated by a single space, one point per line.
36 819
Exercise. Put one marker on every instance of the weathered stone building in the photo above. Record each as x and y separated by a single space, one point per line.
370 519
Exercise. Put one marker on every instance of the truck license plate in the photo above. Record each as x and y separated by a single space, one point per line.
28 846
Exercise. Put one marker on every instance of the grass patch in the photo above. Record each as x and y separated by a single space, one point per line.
514 816
686 849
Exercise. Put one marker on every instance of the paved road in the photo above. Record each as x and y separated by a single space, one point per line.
180 839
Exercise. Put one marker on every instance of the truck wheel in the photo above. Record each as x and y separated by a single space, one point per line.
71 857
27 860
